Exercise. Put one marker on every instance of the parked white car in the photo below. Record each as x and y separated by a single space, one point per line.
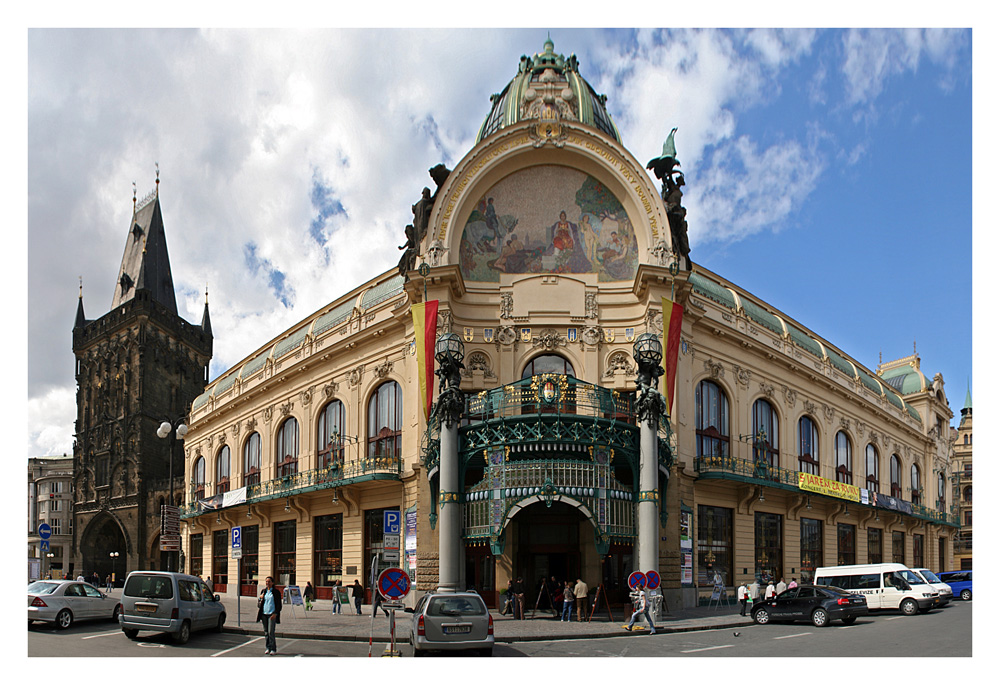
64 602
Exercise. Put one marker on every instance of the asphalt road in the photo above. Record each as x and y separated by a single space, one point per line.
940 633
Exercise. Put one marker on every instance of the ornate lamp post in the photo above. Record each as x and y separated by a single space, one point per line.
449 353
114 564
650 406
174 429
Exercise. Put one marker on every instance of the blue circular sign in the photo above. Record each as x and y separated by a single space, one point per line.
44 531
637 580
393 583
652 580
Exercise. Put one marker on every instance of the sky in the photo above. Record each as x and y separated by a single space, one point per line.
828 171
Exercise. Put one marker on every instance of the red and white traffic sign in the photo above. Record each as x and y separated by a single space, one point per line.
393 583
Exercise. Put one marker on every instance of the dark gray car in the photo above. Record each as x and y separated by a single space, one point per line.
166 602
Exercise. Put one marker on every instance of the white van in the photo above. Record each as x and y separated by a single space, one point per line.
944 590
885 586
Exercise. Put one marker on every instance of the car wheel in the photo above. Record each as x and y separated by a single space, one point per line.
222 622
909 607
130 633
820 618
849 620
761 616
182 635
116 613
64 619
966 595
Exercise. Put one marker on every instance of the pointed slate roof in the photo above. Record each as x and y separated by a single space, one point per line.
81 320
145 264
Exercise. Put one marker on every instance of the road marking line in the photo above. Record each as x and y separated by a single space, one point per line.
238 646
785 637
110 632
703 649
895 618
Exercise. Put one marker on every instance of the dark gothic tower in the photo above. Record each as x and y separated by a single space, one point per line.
136 366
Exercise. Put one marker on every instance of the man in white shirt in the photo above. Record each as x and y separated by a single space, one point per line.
780 587
643 609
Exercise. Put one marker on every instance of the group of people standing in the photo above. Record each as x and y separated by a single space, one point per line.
559 598
749 594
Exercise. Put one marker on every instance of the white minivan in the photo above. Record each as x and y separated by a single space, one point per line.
885 586
944 590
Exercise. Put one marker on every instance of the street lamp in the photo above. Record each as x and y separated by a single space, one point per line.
114 560
175 429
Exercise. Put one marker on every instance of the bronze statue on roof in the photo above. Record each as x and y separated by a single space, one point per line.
664 168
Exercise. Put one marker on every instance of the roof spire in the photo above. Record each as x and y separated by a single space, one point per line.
81 319
157 164
206 322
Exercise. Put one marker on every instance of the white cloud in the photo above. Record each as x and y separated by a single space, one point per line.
49 433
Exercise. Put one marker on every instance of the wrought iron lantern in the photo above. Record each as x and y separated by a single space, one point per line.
648 350
449 347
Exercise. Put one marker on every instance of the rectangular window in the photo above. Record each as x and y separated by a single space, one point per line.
54 505
284 553
197 545
768 556
374 519
220 559
942 552
874 545
56 526
329 543
918 551
715 545
57 486
811 548
898 547
249 563
846 544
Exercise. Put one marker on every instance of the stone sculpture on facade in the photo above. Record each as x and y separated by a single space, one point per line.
417 231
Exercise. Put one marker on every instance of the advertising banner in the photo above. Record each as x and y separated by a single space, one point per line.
831 488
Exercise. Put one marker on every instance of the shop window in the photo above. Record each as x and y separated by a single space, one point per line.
220 559
846 544
811 545
918 550
715 545
249 564
329 541
768 557
898 547
284 553
195 553
874 545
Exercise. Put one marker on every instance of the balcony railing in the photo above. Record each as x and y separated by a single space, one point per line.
761 473
387 467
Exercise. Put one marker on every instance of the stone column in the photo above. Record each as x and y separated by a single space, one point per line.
449 353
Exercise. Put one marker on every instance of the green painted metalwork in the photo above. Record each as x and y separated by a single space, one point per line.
760 473
338 475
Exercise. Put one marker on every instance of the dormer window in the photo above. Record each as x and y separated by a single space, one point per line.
126 283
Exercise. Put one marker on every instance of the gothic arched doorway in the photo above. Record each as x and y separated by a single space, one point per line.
104 536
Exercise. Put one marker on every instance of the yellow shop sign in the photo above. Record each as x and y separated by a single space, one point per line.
825 486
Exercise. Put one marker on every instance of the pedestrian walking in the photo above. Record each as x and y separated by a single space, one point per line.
568 600
307 596
580 591
357 594
269 614
754 591
336 597
508 604
642 609
377 603
742 594
780 587
769 592
108 584
519 598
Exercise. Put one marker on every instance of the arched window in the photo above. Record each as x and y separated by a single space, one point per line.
915 488
940 492
711 420
251 460
222 470
288 447
871 468
967 494
330 435
548 363
895 476
198 479
808 446
765 427
385 421
843 449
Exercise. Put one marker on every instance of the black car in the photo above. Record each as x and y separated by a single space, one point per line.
817 603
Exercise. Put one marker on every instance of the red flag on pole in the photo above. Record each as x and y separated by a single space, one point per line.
673 314
425 329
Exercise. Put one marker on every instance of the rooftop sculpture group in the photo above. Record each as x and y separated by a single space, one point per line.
663 168
417 231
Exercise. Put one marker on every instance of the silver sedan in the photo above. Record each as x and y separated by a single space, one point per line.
451 622
64 601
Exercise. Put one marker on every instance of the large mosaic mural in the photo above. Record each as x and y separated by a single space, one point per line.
548 219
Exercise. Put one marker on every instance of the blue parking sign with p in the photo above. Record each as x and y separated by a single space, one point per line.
391 520
237 538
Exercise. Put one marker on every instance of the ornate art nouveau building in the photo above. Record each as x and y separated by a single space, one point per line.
549 249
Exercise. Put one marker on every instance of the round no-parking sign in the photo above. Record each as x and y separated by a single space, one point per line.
637 580
393 583
652 580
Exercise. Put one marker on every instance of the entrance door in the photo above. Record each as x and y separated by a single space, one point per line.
549 544
479 574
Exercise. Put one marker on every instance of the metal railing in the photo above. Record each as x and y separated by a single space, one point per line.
339 473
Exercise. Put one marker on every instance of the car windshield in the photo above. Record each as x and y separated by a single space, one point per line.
150 587
40 588
911 577
456 606
929 576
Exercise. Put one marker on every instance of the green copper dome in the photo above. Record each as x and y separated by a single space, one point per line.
548 85
906 380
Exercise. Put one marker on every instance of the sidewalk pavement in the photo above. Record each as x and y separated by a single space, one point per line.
322 624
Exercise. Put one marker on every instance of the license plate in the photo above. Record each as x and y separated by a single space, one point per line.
456 630
146 608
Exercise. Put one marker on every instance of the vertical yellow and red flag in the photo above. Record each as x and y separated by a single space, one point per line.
673 314
425 316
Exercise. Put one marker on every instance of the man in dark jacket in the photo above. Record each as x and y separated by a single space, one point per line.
358 594
269 614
